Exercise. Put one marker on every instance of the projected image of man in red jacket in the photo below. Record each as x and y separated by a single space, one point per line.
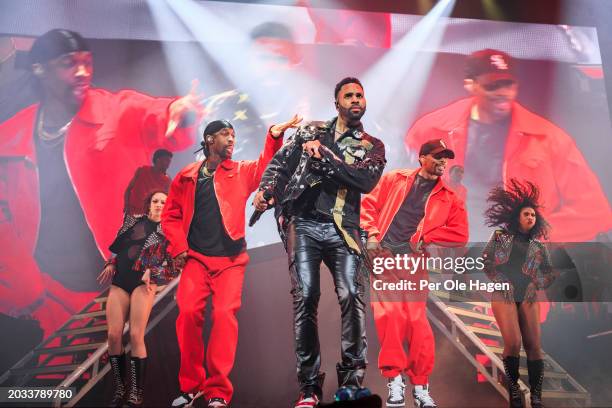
64 164
496 139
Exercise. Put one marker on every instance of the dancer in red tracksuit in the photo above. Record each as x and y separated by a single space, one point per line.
405 212
204 221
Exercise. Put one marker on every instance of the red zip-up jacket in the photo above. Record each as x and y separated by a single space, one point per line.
536 150
111 135
234 182
445 219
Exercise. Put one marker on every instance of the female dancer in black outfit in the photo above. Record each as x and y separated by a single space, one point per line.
515 255
142 262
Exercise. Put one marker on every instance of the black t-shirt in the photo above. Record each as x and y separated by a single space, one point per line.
66 248
207 234
412 211
484 159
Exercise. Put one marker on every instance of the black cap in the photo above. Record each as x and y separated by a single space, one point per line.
217 125
493 65
436 146
55 43
213 127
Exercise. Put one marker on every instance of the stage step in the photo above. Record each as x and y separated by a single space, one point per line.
470 313
81 345
98 313
459 321
68 349
84 330
58 369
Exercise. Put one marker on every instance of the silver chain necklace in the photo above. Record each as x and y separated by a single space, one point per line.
51 138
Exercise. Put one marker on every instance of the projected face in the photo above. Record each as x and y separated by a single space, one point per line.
494 98
156 206
456 174
527 219
434 164
68 77
163 163
273 54
351 103
223 143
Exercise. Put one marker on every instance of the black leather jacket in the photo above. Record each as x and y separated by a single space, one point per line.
350 166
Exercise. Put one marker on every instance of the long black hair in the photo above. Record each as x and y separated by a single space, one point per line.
507 203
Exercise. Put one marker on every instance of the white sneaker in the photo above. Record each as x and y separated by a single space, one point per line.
422 399
185 399
396 392
217 403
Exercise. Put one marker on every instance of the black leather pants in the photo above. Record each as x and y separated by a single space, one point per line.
308 243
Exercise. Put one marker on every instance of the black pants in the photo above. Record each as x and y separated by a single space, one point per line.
308 243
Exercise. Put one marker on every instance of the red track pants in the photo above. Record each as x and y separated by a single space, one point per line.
402 319
202 277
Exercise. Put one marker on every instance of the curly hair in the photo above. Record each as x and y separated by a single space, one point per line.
507 203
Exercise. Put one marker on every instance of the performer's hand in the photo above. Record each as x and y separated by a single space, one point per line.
180 259
531 293
312 148
373 248
146 278
107 274
418 247
260 202
188 104
278 130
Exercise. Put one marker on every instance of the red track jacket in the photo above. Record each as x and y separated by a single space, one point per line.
234 182
109 138
538 151
445 219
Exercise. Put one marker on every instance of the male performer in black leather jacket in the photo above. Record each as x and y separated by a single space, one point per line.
316 181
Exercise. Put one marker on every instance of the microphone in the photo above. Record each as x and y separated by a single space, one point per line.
267 195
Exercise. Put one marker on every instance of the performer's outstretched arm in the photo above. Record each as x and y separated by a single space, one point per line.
274 141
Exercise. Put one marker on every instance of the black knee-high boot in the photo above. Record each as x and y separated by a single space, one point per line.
117 364
511 366
535 368
137 375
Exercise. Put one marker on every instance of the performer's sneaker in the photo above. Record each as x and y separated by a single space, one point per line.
422 399
217 403
396 392
362 392
307 400
186 399
345 393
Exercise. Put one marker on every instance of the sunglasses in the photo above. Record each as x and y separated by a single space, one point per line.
502 83
440 155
